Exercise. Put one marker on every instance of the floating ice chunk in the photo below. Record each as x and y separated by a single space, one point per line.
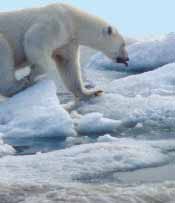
77 140
95 123
144 55
106 138
35 112
5 149
139 125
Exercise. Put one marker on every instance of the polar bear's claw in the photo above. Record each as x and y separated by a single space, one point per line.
98 93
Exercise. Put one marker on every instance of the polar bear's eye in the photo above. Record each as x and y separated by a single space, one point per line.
109 30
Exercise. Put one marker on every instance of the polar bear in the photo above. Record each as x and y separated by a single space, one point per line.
48 37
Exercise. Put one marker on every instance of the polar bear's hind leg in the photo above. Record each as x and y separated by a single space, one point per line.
8 83
38 44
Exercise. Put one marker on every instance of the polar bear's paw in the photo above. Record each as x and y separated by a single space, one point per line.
22 73
98 93
94 93
87 94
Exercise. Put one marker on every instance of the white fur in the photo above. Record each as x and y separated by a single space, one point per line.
22 73
48 38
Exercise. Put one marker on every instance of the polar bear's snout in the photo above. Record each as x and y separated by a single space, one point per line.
123 56
123 60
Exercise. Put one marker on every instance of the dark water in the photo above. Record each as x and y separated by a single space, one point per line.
27 146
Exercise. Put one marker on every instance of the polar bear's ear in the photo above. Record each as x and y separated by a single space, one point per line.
108 30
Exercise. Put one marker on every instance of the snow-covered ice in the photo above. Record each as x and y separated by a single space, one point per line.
160 81
147 99
155 113
35 112
86 162
144 55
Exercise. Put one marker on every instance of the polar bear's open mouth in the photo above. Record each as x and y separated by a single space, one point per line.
123 60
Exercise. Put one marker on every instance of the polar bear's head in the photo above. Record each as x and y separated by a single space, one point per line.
112 44
103 37
96 33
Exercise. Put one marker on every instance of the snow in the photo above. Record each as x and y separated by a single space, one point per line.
144 55
86 162
35 112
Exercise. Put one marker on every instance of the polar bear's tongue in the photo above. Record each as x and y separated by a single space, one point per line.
126 64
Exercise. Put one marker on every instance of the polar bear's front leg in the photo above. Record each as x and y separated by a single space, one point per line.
67 60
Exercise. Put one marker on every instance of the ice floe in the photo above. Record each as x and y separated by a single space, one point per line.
87 162
35 112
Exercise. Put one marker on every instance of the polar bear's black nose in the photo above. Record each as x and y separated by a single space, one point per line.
122 60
